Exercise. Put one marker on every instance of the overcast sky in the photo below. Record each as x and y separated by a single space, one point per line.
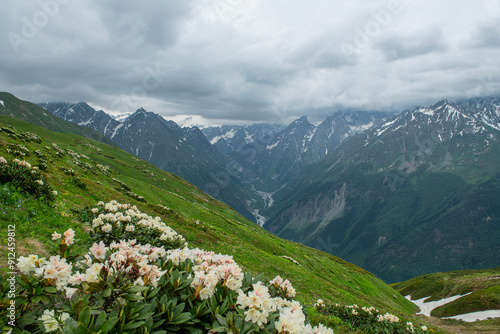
237 61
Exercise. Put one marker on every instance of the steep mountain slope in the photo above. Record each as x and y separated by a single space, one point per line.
27 111
183 151
411 196
107 173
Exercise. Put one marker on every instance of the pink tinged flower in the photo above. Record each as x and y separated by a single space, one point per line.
76 278
254 300
50 271
70 292
260 290
69 233
98 250
145 269
56 236
233 284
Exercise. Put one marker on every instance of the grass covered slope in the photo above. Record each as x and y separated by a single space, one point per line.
481 287
29 112
84 172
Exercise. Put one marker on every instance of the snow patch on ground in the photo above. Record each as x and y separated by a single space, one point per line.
426 308
474 316
2 103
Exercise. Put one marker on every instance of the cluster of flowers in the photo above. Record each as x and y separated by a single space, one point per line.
291 259
86 166
55 270
124 219
59 151
28 136
18 150
91 146
135 196
208 270
76 155
135 261
124 259
68 171
103 168
25 176
258 305
53 322
283 287
391 318
368 317
8 130
134 264
39 154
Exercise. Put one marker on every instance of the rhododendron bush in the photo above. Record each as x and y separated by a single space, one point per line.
26 177
368 319
139 276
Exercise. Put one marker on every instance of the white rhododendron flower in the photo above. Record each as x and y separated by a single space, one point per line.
70 291
107 228
69 236
92 273
29 263
98 250
50 322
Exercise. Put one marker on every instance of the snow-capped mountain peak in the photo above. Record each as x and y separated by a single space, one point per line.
121 117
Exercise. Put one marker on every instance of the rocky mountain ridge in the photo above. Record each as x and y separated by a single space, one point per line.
413 188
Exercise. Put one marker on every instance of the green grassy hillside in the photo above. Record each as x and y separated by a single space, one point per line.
480 287
83 172
33 114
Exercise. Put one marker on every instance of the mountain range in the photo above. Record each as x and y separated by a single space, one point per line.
398 194
416 194
182 151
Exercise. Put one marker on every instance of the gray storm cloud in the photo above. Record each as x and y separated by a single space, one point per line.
230 61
